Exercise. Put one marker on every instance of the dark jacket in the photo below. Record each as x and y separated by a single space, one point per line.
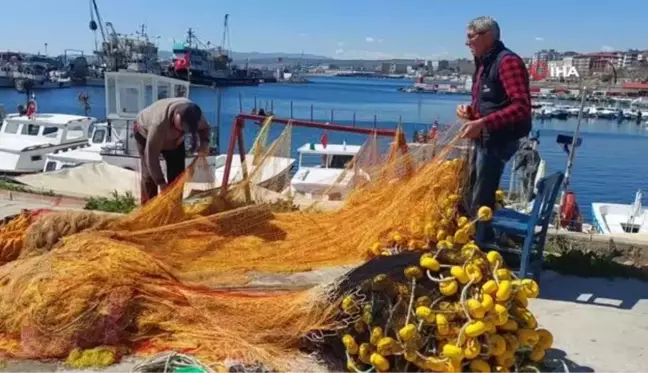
494 98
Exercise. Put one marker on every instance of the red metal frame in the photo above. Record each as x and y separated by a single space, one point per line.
236 138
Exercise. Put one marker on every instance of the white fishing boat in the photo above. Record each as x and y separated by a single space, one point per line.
542 109
274 173
560 112
103 135
633 113
324 172
25 140
549 110
112 140
615 219
573 111
602 112
39 77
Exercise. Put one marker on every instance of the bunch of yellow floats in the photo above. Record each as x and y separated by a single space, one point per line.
458 310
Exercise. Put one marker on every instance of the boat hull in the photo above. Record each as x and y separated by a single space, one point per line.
614 219
203 80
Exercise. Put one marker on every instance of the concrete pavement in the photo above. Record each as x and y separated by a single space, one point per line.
600 324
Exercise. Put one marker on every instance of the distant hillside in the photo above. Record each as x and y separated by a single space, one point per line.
259 57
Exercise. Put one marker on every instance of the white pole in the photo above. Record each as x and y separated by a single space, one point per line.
511 180
572 151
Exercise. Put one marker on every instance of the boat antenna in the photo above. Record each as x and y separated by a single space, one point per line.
190 37
640 209
635 209
225 41
572 153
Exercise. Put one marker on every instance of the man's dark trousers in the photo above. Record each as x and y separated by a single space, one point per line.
486 169
175 164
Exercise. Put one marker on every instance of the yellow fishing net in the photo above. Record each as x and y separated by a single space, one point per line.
157 278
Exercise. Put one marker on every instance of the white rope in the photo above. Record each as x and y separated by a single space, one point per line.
167 362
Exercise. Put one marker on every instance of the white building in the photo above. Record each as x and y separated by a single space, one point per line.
629 59
568 61
545 56
398 68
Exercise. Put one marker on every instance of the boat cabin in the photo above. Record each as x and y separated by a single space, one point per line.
129 93
335 156
25 141
126 95
322 170
104 134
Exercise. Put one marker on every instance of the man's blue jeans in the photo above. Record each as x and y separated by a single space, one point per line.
487 167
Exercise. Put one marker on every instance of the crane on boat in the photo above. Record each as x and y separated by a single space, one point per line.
119 51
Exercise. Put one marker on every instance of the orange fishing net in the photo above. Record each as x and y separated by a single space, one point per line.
141 280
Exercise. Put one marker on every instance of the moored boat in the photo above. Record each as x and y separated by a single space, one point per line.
26 139
614 219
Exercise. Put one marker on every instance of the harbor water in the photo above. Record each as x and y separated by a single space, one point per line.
610 165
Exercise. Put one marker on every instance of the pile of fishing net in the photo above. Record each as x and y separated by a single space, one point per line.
167 277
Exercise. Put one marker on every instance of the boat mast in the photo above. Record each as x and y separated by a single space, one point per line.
225 41
190 37
98 24
572 151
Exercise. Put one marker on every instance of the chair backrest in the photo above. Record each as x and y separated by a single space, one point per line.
548 189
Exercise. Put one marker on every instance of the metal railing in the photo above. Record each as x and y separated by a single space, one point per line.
310 112
236 140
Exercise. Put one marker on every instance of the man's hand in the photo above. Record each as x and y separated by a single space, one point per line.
464 112
472 129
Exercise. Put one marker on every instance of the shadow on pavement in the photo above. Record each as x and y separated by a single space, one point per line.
557 361
618 293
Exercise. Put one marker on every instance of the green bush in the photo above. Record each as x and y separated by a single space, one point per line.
15 187
116 203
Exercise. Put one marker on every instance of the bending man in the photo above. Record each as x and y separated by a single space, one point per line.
160 129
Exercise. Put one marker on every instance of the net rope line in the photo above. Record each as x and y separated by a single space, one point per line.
169 361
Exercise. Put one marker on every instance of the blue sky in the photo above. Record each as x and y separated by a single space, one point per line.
337 28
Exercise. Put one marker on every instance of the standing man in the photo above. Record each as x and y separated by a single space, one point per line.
160 129
500 112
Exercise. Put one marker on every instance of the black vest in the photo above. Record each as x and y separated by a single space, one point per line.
491 97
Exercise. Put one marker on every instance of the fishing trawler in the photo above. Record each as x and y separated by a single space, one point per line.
118 52
137 54
202 64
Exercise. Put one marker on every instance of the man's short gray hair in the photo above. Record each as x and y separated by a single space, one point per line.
484 24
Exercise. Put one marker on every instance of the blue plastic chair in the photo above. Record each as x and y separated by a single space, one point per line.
532 227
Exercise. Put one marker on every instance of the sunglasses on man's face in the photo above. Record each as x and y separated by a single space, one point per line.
474 35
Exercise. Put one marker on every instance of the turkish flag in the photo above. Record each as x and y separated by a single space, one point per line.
324 139
182 63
